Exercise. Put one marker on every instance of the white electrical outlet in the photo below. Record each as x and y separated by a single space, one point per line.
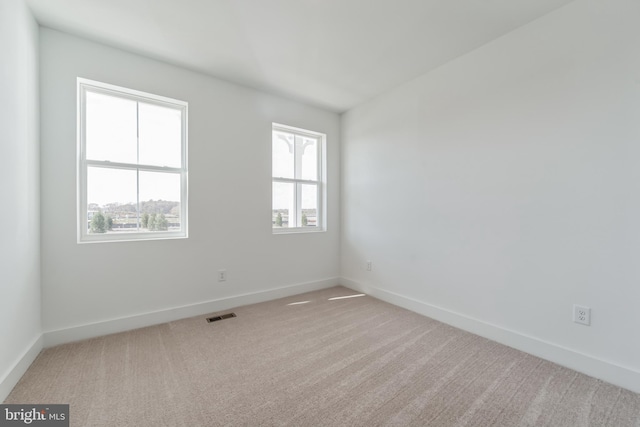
368 265
582 315
222 275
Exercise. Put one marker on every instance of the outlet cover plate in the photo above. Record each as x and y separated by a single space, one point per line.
582 315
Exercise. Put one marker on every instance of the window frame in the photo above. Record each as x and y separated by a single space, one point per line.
83 164
321 182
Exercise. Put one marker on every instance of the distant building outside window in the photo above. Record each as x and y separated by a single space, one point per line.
132 164
298 180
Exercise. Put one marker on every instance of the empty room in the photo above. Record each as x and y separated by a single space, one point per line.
320 213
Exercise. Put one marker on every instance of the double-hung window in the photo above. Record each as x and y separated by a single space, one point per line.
132 164
298 180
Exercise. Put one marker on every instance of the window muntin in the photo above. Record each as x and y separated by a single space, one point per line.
297 180
132 164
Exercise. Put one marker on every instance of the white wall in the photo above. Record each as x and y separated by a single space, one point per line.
502 188
229 196
20 327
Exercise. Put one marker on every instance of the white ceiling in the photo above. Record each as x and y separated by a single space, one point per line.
331 53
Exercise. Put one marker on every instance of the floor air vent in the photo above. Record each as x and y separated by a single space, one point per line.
221 317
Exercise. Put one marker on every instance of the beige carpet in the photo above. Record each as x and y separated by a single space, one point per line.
346 362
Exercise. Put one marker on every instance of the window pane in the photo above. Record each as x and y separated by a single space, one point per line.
111 128
283 160
111 200
159 201
160 135
309 205
308 148
283 206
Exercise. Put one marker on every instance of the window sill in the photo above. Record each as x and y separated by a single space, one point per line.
137 237
297 230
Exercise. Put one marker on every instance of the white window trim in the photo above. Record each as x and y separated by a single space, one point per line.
83 236
321 225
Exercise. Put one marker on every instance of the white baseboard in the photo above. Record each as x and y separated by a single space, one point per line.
77 333
607 371
13 375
